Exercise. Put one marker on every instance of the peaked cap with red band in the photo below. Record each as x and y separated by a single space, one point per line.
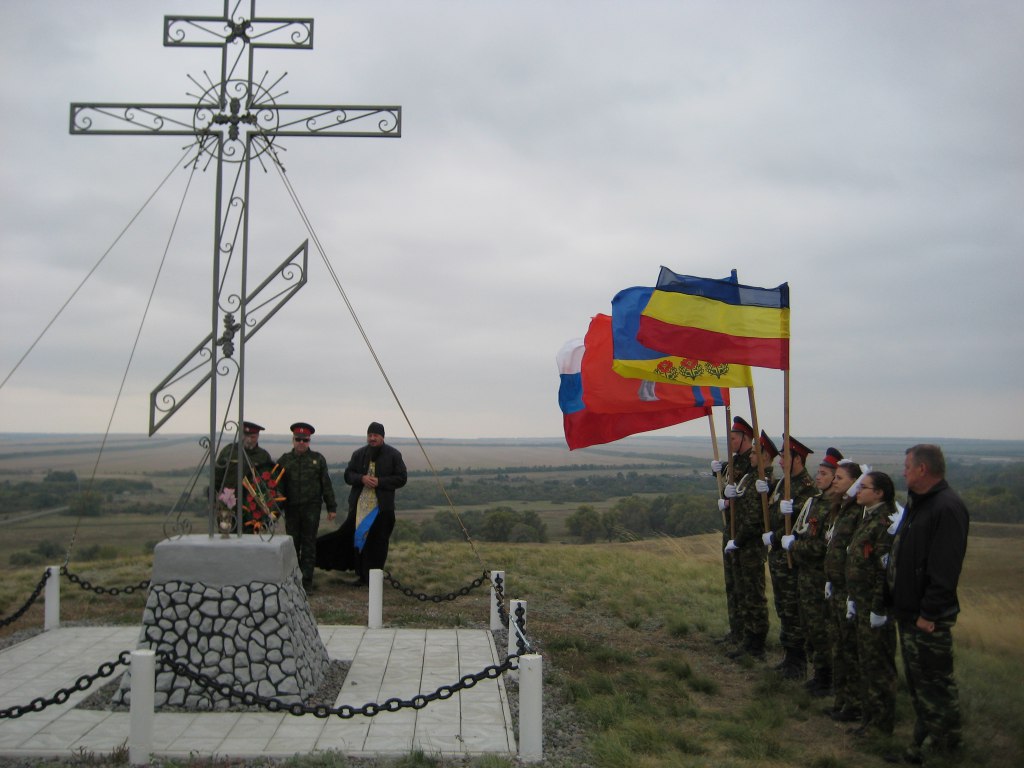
832 458
768 446
801 450
739 425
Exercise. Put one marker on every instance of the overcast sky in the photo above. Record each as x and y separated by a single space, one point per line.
553 153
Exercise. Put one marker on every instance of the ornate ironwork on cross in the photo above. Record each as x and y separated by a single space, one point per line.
233 120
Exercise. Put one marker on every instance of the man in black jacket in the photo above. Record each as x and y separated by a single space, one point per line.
922 575
375 472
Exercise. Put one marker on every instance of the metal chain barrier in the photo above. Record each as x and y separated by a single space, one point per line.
28 603
345 711
499 598
74 579
523 644
83 683
463 591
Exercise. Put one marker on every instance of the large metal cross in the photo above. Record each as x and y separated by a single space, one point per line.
234 120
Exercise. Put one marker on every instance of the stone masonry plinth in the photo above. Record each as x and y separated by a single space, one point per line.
234 610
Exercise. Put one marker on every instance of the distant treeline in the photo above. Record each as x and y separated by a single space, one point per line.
64 489
994 491
504 486
630 518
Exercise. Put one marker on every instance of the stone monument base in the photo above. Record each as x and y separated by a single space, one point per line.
232 609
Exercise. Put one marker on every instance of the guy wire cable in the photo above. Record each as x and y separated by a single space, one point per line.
95 266
135 344
366 339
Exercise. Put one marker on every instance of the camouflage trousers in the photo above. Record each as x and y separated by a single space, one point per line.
876 654
787 602
928 667
843 637
748 581
301 522
735 628
814 614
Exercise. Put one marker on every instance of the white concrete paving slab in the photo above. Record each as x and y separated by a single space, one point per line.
384 663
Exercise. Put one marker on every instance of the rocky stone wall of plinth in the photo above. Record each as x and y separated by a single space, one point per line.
257 636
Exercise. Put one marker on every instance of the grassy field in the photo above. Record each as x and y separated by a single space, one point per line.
626 632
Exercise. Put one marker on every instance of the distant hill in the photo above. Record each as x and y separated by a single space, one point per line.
127 454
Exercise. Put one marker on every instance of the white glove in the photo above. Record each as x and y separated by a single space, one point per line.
761 486
877 621
730 491
786 506
716 467
787 541
722 505
731 546
828 590
851 609
766 537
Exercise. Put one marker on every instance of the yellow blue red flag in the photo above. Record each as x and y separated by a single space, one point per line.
710 319
633 360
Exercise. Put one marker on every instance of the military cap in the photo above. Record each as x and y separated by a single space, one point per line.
301 428
739 425
832 458
801 450
251 428
375 428
767 446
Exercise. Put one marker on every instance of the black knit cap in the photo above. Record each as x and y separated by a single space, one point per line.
375 428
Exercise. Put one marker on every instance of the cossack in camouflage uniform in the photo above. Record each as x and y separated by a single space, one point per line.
840 524
740 463
866 558
307 487
748 556
808 552
785 571
257 460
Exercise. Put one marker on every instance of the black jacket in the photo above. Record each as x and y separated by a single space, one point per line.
924 566
390 471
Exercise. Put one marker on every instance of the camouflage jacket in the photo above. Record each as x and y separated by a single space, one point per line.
801 488
809 529
740 466
305 481
842 519
867 556
225 474
748 510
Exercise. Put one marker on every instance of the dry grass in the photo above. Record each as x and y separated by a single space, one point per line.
626 631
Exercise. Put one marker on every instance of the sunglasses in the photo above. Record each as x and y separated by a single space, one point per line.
301 439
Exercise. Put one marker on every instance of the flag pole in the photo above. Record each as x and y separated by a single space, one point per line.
757 453
728 474
714 443
787 458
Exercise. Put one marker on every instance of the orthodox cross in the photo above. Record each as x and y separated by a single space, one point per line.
233 120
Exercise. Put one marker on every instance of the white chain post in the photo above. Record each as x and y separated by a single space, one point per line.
531 708
141 717
497 577
376 607
51 599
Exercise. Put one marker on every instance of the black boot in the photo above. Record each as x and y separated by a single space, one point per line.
755 647
794 665
821 684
